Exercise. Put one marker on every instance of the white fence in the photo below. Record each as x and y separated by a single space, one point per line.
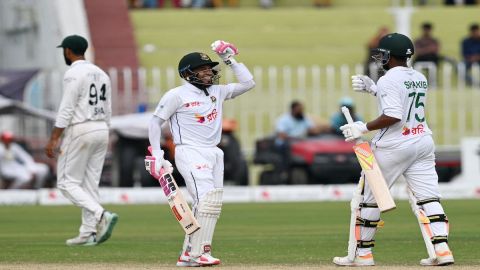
452 105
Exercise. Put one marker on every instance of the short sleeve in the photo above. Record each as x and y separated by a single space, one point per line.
168 105
390 98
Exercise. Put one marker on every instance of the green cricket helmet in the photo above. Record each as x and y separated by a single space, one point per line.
192 61
394 44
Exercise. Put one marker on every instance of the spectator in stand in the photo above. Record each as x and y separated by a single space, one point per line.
175 3
17 165
370 68
471 51
338 119
426 46
220 3
291 126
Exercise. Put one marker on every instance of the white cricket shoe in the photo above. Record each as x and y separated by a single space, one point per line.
443 256
184 260
90 240
205 260
105 226
366 260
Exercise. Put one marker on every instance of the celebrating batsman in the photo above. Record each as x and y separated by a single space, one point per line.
403 146
194 113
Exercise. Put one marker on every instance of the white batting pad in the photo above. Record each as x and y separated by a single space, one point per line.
208 211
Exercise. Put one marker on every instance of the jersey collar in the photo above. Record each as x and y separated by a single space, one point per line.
398 68
78 62
194 88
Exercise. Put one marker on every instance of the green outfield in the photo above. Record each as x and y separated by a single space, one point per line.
292 234
288 35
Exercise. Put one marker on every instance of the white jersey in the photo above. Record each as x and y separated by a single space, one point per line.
196 119
86 95
402 94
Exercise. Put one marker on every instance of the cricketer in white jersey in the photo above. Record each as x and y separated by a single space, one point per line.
83 118
194 113
403 146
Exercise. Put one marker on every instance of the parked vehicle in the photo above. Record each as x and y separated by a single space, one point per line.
322 159
328 159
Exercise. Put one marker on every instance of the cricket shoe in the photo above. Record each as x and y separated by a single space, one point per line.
366 260
205 260
443 256
90 240
184 260
105 226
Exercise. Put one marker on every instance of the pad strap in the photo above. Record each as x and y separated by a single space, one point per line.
429 200
367 223
368 205
439 239
438 218
365 244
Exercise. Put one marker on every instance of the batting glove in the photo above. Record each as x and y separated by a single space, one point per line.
354 131
225 51
362 83
156 165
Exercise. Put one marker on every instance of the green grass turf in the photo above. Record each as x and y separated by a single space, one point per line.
247 234
288 35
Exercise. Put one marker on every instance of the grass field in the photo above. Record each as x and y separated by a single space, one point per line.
248 235
288 35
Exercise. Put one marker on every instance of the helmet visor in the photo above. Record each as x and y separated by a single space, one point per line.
380 56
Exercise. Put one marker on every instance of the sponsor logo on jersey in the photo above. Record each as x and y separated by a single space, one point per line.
419 129
200 119
192 104
201 166
209 117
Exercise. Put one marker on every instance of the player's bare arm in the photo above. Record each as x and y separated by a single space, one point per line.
382 121
52 144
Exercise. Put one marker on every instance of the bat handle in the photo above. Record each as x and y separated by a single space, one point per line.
346 113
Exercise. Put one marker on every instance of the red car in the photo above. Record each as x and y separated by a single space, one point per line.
323 159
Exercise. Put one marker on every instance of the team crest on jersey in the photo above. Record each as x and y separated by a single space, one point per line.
204 57
213 98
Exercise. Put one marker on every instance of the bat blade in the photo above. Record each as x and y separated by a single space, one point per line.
372 171
179 206
374 177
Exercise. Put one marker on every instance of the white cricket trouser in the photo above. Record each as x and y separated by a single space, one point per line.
202 169
416 162
79 168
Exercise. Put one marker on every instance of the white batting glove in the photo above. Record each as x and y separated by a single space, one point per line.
354 131
362 83
225 51
156 165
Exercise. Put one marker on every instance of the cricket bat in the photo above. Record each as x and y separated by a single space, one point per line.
179 206
372 171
